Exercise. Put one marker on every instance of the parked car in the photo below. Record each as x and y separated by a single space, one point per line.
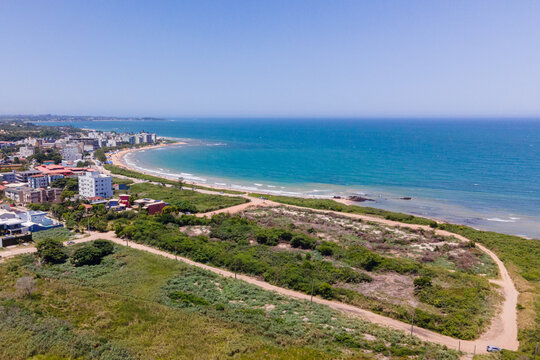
70 242
492 348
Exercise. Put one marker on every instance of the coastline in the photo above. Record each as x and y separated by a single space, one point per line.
419 207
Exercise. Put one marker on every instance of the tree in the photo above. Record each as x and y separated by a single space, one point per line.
66 195
86 255
51 251
25 286
104 246
68 184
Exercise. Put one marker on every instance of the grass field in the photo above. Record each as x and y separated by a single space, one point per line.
177 197
136 305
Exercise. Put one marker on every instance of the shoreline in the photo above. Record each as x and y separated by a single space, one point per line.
118 159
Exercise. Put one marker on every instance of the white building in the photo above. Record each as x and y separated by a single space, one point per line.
71 152
26 151
93 184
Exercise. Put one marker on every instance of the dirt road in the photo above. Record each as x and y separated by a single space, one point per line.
478 346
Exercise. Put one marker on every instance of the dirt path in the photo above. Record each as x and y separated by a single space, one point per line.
502 332
477 346
503 328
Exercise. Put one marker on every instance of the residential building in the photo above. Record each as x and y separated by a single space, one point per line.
93 184
8 176
71 152
26 151
26 195
38 181
155 208
22 176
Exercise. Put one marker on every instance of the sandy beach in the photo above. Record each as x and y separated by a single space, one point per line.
118 160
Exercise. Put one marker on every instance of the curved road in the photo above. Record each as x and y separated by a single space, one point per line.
502 331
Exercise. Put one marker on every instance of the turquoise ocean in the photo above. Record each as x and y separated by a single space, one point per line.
482 173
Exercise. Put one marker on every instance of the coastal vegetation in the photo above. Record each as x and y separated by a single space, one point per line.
114 309
328 204
457 303
137 175
185 200
520 256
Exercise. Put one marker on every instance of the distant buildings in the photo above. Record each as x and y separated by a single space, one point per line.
38 181
71 152
26 151
93 184
22 176
26 195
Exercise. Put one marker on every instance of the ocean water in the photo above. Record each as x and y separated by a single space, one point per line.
483 173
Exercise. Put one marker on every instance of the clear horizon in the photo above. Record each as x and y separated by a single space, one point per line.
347 59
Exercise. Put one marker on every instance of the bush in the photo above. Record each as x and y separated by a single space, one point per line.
86 255
303 241
326 248
51 251
325 290
188 299
104 246
422 282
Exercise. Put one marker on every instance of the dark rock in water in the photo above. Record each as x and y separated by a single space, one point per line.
406 198
359 198
337 197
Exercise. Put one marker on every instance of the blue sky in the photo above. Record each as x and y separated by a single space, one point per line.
270 58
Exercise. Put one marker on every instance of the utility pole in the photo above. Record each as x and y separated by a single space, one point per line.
235 268
312 284
459 346
535 351
412 322
474 353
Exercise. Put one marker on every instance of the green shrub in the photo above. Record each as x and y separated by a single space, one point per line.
303 241
86 255
104 246
51 251
422 282
187 299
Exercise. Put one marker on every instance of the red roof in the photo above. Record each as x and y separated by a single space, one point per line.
96 198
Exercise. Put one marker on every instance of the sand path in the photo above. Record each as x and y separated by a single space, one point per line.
503 328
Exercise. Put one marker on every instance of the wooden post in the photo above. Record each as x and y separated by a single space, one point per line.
474 353
312 283
235 268
535 351
412 322
459 346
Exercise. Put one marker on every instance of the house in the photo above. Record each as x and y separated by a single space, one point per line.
96 200
124 200
120 187
37 221
155 208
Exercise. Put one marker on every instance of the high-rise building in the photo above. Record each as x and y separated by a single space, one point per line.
93 184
